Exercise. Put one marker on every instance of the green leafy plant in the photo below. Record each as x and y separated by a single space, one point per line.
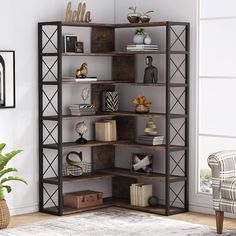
140 31
4 159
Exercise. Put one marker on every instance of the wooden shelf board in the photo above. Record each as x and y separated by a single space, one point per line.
154 176
115 202
84 177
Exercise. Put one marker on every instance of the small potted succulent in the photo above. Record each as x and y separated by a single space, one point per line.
133 16
145 17
139 36
4 159
142 104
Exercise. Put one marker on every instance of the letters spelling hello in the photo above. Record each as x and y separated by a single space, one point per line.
79 15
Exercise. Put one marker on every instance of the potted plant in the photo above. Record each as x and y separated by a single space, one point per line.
4 159
142 104
133 16
139 36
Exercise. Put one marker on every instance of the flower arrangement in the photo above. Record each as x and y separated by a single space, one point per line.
142 104
140 31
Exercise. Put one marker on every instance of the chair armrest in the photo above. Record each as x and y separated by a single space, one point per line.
223 166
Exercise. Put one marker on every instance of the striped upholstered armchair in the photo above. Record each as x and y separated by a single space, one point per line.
223 167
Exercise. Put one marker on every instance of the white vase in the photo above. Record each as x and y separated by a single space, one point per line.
138 39
147 40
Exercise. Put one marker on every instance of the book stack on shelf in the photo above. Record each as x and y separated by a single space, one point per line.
140 194
105 131
150 140
74 79
82 109
142 47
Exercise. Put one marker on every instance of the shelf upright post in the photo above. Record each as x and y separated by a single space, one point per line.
40 104
59 99
187 69
167 185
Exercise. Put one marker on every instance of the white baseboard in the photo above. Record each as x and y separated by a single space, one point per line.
20 210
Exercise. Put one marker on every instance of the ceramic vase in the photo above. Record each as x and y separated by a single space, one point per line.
147 39
138 39
141 109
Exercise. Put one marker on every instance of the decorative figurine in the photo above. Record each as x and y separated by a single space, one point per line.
142 104
85 94
151 128
81 128
151 72
82 72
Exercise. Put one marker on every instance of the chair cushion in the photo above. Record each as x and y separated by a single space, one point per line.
228 189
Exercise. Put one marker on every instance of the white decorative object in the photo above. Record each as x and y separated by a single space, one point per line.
138 39
147 39
85 94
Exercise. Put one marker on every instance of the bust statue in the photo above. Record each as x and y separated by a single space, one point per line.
151 72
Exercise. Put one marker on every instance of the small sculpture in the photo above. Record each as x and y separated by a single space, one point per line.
81 128
151 128
151 72
85 94
82 72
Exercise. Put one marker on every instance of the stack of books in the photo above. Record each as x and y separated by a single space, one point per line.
139 194
82 109
142 47
150 140
105 131
73 79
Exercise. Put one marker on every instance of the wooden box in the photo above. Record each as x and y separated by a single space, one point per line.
83 199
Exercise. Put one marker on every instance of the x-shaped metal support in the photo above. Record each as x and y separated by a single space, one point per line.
49 39
50 133
50 101
177 37
50 197
177 69
177 196
177 100
177 132
50 164
177 164
49 69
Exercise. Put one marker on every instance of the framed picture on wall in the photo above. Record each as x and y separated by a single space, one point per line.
70 42
79 47
7 79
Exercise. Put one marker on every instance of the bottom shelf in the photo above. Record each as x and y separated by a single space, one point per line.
109 202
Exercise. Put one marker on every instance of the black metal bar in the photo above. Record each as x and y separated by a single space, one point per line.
59 78
168 58
40 109
187 69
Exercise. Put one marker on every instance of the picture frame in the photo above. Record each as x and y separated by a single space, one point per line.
69 43
141 164
7 79
79 47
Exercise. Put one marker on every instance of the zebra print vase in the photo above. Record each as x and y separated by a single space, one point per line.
110 101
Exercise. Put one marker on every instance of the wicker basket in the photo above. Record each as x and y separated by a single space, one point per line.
4 214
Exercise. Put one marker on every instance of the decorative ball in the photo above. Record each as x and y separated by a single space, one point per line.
153 201
81 128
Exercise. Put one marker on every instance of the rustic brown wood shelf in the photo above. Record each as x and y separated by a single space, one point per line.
126 173
84 177
116 202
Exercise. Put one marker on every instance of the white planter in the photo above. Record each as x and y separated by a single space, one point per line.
138 39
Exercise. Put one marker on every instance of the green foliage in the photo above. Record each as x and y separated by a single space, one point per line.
140 31
4 159
205 174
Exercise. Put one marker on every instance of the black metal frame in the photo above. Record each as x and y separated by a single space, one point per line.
170 126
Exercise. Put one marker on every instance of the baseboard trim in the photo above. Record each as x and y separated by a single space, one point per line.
24 209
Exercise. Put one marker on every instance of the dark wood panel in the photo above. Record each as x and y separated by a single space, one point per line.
103 157
102 39
96 94
126 128
123 68
121 186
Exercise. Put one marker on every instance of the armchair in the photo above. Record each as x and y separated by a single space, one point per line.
223 167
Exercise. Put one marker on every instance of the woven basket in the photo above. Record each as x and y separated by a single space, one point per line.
4 214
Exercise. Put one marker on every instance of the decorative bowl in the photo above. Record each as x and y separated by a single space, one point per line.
141 109
145 18
133 17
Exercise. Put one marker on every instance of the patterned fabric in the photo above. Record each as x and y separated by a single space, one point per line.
223 166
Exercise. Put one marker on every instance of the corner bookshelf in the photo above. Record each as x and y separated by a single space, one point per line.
103 167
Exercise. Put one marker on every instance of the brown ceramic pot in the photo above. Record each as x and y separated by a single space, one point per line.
141 109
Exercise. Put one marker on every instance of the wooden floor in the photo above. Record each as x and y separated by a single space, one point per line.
190 217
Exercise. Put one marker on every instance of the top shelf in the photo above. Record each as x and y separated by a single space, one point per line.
122 25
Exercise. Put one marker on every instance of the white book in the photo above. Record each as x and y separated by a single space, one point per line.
74 79
146 193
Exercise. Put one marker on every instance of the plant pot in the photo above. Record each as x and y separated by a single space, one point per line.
138 38
141 109
145 18
133 17
4 214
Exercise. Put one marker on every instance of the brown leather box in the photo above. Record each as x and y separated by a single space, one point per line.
83 199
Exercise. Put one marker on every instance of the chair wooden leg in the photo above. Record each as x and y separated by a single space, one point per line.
219 221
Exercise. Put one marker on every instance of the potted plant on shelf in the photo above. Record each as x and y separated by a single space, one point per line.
4 159
139 36
142 104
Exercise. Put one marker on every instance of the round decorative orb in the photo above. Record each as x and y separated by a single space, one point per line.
133 17
81 128
153 201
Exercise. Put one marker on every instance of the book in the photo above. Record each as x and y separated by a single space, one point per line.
103 131
113 129
146 193
150 140
142 47
149 137
81 105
